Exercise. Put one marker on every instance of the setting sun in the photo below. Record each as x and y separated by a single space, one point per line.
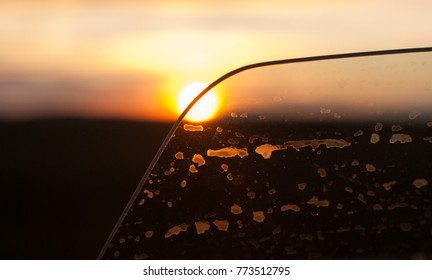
205 109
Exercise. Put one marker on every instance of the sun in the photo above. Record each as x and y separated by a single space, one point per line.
206 107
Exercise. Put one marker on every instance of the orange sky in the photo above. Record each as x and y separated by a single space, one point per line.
129 59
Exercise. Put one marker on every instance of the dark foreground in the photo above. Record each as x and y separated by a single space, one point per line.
361 193
285 190
64 183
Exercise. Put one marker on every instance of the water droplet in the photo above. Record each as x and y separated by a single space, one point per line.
179 155
193 128
199 159
400 137
192 169
370 167
236 210
258 216
301 186
222 225
228 152
176 230
374 138
292 207
419 183
414 114
202 226
378 126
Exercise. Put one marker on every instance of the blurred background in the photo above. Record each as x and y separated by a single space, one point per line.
88 91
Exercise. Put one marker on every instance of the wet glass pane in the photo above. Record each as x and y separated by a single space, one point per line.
317 160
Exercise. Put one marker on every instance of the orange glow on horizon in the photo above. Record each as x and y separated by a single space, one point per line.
130 59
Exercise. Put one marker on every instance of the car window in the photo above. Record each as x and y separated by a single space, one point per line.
320 159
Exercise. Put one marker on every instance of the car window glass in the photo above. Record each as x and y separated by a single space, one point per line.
323 159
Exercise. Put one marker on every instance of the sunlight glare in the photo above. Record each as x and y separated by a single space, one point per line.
205 109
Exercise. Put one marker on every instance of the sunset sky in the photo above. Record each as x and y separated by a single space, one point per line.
130 59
